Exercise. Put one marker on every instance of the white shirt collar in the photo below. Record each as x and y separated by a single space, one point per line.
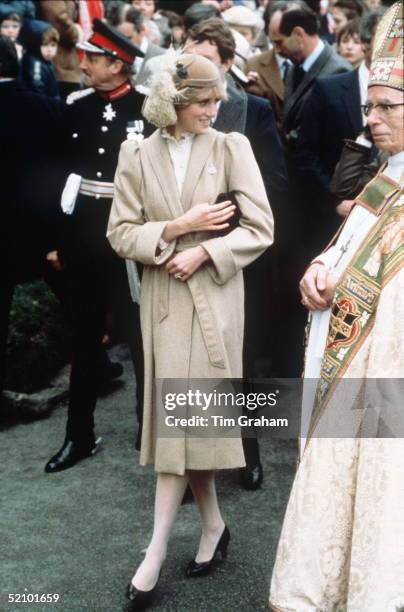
314 55
395 167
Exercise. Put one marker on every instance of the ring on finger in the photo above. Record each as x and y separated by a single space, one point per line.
178 275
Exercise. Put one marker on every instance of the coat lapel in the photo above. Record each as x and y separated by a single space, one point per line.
160 162
200 152
312 74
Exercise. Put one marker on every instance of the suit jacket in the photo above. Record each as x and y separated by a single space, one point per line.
331 115
143 75
270 84
327 63
253 116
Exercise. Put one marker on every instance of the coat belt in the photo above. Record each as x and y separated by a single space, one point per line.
206 317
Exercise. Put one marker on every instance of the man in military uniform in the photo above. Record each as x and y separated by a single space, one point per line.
97 120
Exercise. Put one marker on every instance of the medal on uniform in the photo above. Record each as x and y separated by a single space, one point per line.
109 114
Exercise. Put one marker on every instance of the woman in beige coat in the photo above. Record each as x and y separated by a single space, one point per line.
192 314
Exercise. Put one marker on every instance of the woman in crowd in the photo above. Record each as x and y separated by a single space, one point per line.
343 11
349 44
164 215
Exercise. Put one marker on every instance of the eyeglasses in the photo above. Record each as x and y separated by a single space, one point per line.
382 108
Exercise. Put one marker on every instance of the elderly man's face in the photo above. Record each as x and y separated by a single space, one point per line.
99 71
386 122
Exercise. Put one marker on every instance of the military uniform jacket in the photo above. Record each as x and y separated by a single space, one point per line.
95 129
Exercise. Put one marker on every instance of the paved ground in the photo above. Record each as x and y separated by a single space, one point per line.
79 534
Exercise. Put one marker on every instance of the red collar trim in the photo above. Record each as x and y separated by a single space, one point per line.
118 92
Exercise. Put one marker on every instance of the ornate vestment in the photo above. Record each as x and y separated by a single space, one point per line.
353 313
342 542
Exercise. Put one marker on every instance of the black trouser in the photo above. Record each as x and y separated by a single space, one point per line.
98 285
261 307
32 268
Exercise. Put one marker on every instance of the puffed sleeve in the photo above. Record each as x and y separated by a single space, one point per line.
254 234
129 233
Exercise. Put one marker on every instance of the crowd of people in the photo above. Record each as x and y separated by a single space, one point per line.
173 170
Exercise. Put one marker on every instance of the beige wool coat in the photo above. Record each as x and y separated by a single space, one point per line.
190 329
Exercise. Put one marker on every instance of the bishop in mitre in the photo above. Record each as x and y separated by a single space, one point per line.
341 547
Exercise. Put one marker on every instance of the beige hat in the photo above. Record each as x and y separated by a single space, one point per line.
241 16
387 61
181 79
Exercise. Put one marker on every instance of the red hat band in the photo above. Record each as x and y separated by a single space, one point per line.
108 45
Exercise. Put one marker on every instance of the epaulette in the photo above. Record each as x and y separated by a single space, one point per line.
77 95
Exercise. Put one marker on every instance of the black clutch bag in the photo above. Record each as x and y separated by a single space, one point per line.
234 221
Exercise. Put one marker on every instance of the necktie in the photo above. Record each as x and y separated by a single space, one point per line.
285 70
298 76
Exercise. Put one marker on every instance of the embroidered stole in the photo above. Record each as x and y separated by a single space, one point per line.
354 306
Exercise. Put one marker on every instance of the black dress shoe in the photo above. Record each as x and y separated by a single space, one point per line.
139 600
69 455
195 569
251 477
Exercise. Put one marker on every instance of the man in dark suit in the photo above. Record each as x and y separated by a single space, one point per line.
96 122
295 35
251 116
332 114
267 71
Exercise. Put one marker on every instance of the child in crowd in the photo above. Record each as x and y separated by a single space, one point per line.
10 25
40 42
349 43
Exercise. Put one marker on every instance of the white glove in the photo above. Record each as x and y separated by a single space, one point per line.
70 193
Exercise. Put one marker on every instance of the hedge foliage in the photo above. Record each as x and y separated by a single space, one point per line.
38 341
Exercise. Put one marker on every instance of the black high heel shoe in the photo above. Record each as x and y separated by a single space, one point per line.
196 569
140 600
